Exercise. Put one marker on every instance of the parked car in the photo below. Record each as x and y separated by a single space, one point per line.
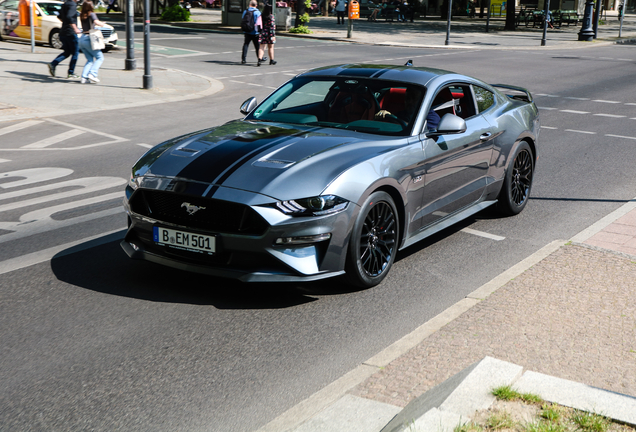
47 27
332 174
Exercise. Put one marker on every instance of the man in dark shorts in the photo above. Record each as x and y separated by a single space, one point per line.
68 35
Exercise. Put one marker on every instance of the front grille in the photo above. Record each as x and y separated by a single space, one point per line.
214 215
105 32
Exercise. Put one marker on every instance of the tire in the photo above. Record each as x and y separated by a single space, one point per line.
54 39
373 242
517 184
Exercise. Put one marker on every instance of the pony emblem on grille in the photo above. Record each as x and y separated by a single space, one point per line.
191 209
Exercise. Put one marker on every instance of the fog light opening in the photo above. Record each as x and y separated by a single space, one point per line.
302 239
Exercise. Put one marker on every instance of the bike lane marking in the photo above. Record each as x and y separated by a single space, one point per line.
19 126
46 142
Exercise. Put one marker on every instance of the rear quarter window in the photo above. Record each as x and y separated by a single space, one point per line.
485 98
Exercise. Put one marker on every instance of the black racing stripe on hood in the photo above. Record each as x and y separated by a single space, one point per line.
212 164
216 165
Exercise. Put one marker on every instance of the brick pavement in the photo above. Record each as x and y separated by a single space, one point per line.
573 316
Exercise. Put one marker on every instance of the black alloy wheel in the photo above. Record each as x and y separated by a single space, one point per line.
518 182
373 242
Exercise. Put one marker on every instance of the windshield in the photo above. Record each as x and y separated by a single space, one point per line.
50 8
360 104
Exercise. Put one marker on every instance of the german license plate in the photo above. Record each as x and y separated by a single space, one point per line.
184 240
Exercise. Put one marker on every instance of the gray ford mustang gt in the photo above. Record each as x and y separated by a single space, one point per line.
332 174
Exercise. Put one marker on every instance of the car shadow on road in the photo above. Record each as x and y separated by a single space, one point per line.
105 268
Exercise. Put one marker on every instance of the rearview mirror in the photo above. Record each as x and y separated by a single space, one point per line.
449 124
248 106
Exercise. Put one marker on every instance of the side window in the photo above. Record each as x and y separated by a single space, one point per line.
485 98
10 5
455 99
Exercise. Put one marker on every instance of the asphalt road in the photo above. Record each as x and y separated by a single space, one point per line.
93 341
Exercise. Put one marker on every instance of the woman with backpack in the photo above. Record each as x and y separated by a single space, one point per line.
267 37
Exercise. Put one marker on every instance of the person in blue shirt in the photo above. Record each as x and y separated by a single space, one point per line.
252 36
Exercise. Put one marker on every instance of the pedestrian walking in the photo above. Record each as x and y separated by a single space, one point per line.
94 57
251 25
111 5
267 37
341 5
68 37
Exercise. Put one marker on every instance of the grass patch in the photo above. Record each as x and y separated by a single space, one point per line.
551 413
499 421
516 412
468 427
544 426
589 422
507 393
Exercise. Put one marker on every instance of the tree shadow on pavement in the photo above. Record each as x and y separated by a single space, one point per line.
105 268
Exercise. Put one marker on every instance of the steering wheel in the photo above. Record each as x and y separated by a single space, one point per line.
395 119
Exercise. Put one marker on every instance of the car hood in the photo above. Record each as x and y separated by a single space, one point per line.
273 159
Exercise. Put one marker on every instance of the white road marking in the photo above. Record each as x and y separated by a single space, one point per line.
145 145
575 112
33 175
47 254
93 131
576 98
606 101
5 160
80 186
610 115
620 136
548 108
548 127
40 221
42 147
54 139
579 131
19 126
630 104
483 234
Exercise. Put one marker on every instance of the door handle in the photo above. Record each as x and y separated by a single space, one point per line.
485 136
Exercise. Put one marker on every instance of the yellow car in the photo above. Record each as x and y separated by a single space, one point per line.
46 26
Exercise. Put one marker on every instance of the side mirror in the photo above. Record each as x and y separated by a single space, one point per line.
449 124
248 106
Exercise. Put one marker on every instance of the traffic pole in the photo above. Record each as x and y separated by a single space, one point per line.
131 63
147 74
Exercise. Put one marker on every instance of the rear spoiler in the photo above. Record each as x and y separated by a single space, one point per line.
513 92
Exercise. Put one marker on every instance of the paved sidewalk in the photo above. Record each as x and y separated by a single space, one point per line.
27 90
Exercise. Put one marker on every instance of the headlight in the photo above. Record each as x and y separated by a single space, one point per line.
316 206
134 182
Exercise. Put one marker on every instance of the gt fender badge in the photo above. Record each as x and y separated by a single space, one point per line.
417 179
191 209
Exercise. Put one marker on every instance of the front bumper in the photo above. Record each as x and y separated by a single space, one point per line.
252 257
